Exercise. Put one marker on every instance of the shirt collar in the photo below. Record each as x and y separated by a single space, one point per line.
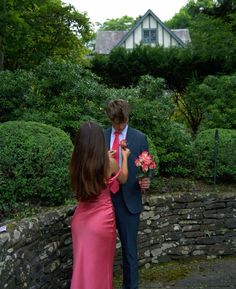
123 132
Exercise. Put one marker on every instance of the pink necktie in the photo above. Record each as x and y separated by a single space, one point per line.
115 146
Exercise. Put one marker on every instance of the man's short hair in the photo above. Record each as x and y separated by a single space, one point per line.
118 110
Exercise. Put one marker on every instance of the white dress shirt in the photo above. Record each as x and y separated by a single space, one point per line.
122 136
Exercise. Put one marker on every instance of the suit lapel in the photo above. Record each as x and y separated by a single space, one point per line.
129 136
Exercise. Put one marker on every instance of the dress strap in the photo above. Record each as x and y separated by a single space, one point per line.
111 180
113 184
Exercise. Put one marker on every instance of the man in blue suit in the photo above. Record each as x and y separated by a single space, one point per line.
128 201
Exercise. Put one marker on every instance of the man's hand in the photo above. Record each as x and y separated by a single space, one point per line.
144 183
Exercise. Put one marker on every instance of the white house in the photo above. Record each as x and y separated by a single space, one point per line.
149 30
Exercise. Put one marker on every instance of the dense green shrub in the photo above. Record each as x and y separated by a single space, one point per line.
34 162
156 108
152 110
60 94
204 148
16 88
153 151
175 149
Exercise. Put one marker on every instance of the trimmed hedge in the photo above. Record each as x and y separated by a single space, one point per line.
204 154
34 160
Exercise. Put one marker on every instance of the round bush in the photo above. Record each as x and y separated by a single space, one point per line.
34 160
204 152
175 151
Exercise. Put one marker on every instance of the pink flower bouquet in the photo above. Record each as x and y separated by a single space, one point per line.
145 163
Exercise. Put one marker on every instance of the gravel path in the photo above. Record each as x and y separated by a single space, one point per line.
217 274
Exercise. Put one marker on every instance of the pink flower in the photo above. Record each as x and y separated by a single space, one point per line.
123 144
145 164
153 166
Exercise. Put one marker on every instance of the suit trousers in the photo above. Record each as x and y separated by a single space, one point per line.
127 226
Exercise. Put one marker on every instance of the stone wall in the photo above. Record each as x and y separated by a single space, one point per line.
36 252
187 225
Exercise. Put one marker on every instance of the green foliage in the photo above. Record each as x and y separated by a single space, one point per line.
15 90
211 54
34 161
118 67
34 31
156 108
100 63
223 9
198 7
209 104
120 24
152 110
219 94
204 150
124 68
56 93
211 51
175 143
180 20
153 151
152 88
177 66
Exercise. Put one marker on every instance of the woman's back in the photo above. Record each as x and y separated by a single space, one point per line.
93 238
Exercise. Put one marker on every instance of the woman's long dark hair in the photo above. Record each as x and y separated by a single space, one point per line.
89 162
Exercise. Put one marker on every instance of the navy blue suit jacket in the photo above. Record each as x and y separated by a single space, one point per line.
137 143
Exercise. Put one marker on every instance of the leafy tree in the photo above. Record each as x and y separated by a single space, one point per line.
214 48
188 13
118 24
221 110
60 94
180 20
224 9
209 104
197 7
30 32
191 107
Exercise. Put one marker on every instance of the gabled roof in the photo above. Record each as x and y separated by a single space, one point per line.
149 12
183 34
107 40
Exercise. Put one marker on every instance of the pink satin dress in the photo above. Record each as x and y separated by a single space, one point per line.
93 241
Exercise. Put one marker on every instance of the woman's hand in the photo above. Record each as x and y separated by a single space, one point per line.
111 153
125 152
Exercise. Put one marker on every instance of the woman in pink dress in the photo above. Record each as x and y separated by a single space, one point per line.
94 173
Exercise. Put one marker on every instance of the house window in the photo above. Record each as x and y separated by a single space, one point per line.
149 35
